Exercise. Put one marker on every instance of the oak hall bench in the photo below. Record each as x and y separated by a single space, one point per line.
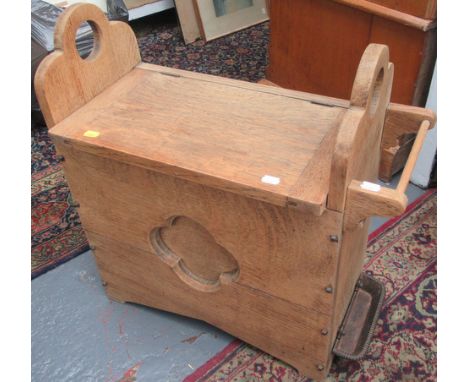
243 205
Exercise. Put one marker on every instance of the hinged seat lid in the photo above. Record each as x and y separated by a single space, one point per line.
246 138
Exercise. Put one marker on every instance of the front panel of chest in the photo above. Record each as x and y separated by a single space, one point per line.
215 237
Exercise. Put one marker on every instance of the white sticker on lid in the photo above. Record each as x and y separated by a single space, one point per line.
370 186
268 179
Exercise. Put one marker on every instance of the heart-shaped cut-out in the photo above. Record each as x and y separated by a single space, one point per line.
194 255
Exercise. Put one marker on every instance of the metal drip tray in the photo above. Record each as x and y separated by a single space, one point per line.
358 325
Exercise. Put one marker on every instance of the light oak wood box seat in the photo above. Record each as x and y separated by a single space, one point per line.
235 203
224 134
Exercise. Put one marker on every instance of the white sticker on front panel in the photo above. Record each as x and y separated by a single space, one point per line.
370 186
268 179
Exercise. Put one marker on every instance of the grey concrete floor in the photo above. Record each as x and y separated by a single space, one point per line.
80 335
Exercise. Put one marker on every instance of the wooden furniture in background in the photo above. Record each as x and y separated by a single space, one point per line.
398 137
217 18
187 20
426 9
315 46
191 22
235 203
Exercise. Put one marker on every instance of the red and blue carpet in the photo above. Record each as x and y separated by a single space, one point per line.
56 233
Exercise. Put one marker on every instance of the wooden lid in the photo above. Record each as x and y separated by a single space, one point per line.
245 138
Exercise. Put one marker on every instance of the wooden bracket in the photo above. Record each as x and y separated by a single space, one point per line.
367 199
402 122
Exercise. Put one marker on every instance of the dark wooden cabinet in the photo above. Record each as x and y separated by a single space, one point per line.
425 9
316 46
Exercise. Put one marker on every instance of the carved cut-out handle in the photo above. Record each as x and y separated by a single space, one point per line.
69 22
372 84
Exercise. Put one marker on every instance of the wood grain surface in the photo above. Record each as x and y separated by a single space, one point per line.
406 45
282 251
395 13
426 9
222 135
325 57
279 327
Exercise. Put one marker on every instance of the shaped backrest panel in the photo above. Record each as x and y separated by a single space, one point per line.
64 81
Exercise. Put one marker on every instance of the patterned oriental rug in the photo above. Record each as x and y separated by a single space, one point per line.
56 233
402 254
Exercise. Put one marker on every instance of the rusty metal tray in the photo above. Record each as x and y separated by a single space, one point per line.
358 324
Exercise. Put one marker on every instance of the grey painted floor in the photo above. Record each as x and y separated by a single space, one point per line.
79 335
